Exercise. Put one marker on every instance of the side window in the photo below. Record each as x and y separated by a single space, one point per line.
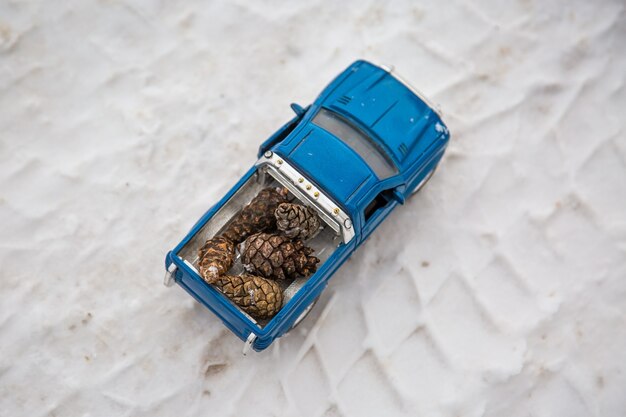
287 129
280 134
379 203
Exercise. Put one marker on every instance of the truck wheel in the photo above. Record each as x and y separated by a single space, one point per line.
424 181
304 314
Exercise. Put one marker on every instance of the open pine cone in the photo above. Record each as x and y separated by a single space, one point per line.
297 221
276 256
259 297
257 216
216 257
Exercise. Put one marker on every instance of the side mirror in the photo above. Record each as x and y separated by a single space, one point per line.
398 196
297 109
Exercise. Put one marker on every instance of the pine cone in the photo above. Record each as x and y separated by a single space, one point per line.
259 297
256 216
276 256
297 221
216 257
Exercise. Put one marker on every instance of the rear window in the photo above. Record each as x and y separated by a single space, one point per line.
358 141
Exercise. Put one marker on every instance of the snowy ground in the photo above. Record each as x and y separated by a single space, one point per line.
499 291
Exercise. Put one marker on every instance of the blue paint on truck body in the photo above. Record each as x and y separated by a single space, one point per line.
404 141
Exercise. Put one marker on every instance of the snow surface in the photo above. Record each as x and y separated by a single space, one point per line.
499 290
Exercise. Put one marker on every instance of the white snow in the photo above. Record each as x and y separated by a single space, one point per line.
499 290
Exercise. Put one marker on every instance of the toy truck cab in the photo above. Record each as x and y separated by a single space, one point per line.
369 139
364 146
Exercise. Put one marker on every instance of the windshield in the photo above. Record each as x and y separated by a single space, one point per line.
357 141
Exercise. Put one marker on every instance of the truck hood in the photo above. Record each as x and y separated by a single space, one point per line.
386 107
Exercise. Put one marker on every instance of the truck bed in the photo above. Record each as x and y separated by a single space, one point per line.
324 243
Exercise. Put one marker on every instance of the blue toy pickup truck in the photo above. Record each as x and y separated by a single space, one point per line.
367 143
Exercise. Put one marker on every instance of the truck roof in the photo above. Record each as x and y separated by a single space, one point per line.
329 162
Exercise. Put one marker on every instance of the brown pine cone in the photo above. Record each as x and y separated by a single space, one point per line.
276 256
259 297
216 257
256 216
297 221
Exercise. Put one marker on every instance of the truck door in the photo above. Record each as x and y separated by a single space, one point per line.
377 209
